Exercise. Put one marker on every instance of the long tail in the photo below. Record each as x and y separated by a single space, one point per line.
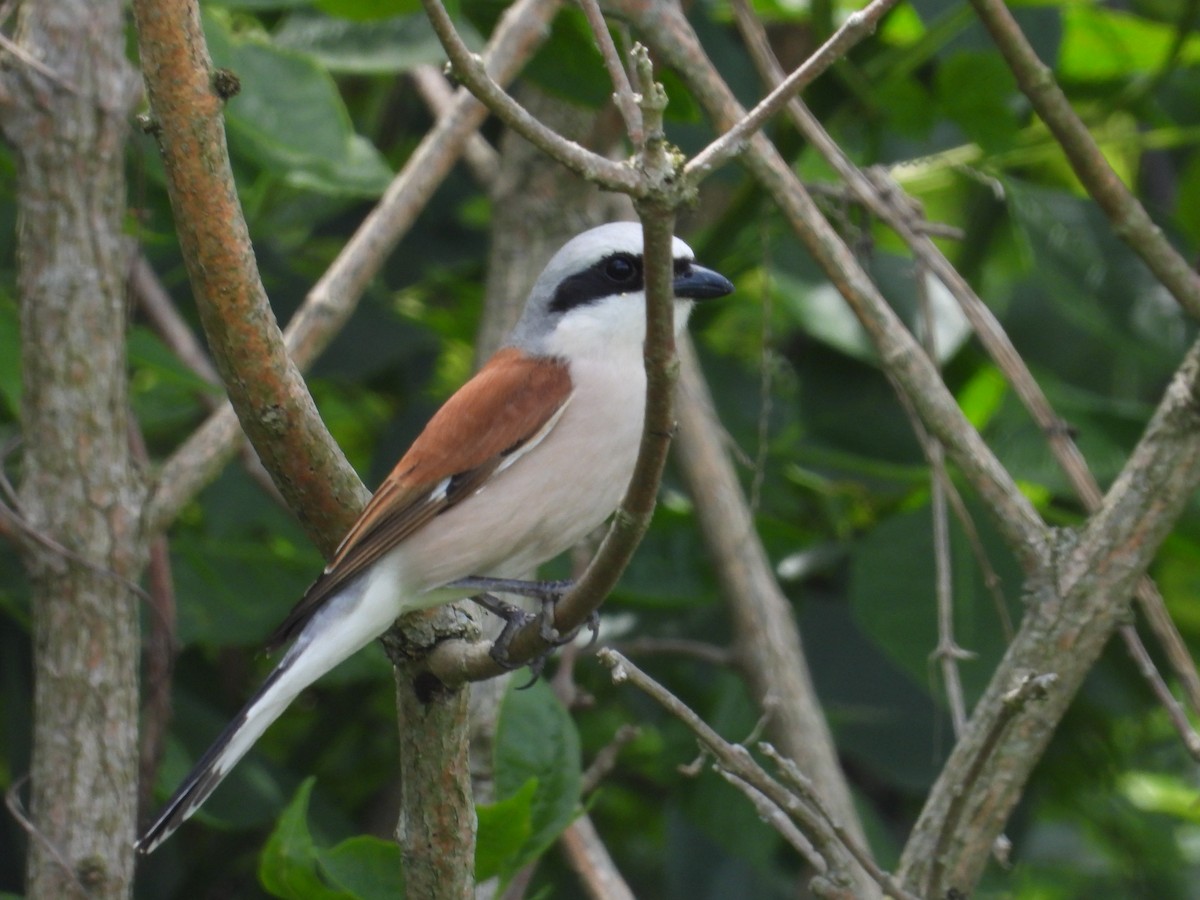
343 626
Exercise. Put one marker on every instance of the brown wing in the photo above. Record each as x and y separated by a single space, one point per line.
509 402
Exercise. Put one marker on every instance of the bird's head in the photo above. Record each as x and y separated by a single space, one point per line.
591 297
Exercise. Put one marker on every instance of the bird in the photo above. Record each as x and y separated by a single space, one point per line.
518 465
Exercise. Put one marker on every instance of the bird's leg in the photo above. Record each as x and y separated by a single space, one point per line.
515 618
548 592
538 590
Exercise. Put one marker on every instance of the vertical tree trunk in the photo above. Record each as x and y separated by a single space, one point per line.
78 488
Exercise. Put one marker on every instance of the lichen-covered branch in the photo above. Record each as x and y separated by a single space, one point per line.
265 387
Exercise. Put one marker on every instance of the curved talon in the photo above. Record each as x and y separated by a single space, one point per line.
593 625
536 665
554 637
514 618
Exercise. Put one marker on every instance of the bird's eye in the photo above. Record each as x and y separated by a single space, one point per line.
620 269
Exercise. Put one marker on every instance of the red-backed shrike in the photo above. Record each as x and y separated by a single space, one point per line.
520 464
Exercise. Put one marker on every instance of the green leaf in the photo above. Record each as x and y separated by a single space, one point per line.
822 312
231 546
289 116
289 867
893 596
1162 793
569 64
10 356
366 866
165 393
976 91
361 173
397 44
901 27
1101 44
1090 310
504 828
982 396
368 10
536 739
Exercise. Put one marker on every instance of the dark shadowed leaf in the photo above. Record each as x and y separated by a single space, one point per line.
504 828
536 739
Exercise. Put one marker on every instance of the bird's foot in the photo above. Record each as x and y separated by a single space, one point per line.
515 618
553 636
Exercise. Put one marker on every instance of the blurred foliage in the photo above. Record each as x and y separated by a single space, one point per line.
841 491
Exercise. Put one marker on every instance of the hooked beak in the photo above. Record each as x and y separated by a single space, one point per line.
698 283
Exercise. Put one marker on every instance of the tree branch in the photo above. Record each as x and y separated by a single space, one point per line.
81 492
835 847
769 649
858 25
885 199
439 96
470 71
1129 218
901 357
265 387
1071 615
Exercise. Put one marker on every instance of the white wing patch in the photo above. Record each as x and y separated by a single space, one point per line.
536 439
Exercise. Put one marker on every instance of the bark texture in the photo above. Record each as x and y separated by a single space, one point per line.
436 825
79 491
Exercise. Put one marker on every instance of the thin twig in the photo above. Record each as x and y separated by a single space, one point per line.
766 641
948 652
606 760
1148 671
12 800
14 516
807 791
778 820
830 839
36 64
765 372
991 580
857 26
435 90
469 69
623 95
885 199
712 654
1129 218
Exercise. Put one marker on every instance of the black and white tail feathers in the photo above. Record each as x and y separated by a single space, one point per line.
342 627
237 738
